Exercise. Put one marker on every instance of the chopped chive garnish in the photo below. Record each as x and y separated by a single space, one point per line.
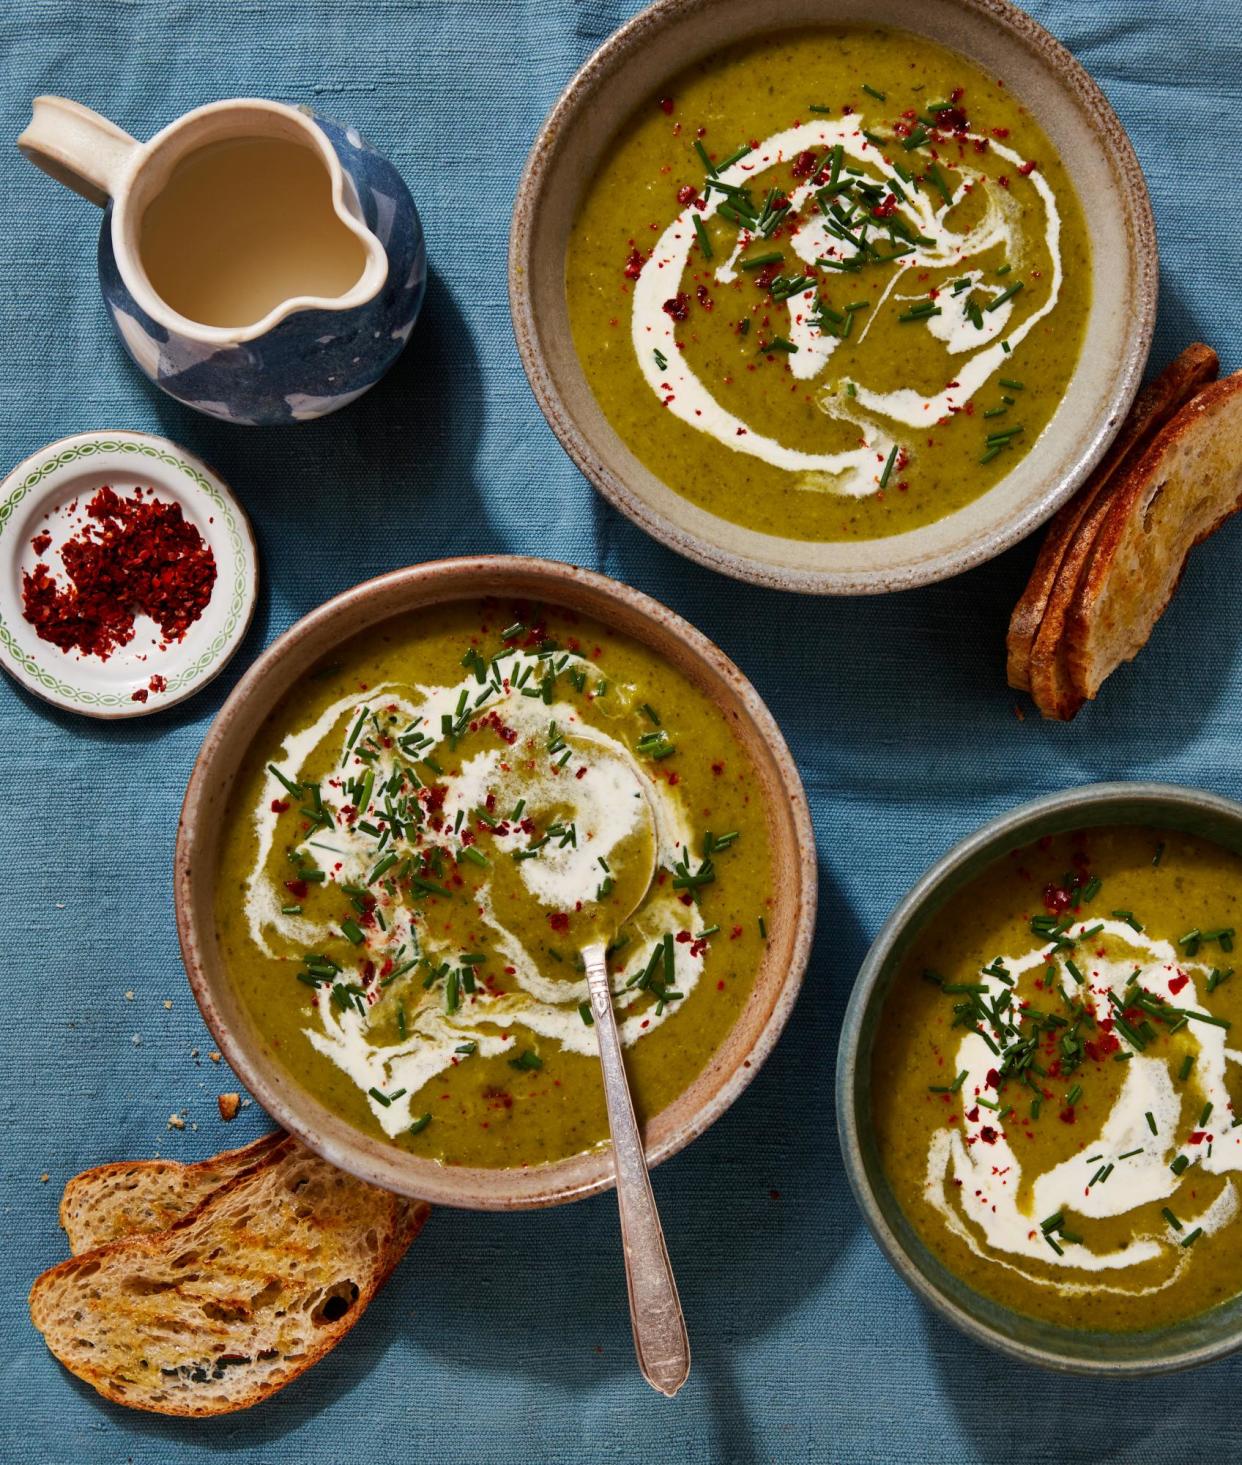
705 244
353 930
763 928
291 910
294 788
381 1098
584 1012
1129 1154
872 92
1193 1236
1007 294
1006 381
1206 1115
1181 1163
758 261
1187 1064
466 1049
420 1124
1128 918
527 1061
1171 1218
888 466
1151 1122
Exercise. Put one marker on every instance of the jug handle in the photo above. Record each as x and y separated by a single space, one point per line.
76 146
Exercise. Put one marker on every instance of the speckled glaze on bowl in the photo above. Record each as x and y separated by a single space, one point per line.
650 50
1117 1355
790 923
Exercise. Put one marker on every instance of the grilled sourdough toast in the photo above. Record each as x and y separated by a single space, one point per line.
1069 534
1183 488
234 1300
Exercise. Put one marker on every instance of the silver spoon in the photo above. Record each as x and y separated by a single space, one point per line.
660 1338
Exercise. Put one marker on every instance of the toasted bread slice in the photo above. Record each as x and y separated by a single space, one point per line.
237 1298
140 1196
1050 678
1181 490
1155 405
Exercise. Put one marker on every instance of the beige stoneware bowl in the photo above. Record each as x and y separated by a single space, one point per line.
645 54
778 788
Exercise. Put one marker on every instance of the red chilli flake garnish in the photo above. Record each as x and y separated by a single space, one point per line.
138 556
666 106
634 262
678 307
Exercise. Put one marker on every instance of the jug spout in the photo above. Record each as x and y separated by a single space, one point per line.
77 147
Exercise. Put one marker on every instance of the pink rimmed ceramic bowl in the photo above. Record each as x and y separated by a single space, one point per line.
779 791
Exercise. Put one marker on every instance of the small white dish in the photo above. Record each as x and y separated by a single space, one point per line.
46 495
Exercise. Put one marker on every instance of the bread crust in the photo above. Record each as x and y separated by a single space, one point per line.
166 1184
1155 405
1216 409
155 1255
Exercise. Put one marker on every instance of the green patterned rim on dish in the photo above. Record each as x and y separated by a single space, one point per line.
70 469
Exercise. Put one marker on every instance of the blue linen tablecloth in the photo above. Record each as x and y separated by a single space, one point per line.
505 1338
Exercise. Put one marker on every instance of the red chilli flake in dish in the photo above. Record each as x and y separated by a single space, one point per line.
135 556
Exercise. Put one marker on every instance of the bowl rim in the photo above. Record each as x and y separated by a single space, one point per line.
469 1187
747 565
1013 826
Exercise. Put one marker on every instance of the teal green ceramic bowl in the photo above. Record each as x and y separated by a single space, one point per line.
1197 1340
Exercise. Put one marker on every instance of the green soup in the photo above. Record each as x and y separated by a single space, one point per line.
1055 1082
831 285
430 829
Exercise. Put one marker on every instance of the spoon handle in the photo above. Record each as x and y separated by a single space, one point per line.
660 1339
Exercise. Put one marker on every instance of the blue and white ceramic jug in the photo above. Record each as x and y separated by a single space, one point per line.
307 355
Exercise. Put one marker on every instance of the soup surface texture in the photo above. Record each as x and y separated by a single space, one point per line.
831 284
1055 1080
431 827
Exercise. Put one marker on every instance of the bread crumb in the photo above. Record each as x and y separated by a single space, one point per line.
229 1105
175 1121
1018 712
193 1052
167 1004
129 996
136 1040
215 1057
44 1178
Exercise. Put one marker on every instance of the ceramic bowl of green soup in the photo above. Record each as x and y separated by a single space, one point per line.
1040 1082
831 296
411 816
